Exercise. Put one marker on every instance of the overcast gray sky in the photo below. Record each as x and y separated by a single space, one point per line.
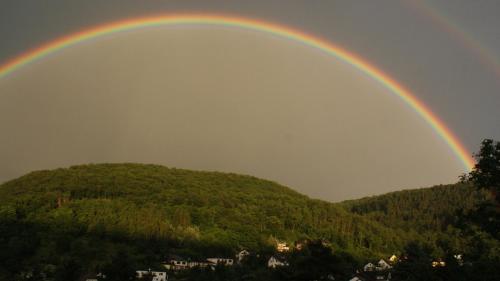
435 48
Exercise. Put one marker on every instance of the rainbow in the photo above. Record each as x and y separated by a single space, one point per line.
444 22
258 25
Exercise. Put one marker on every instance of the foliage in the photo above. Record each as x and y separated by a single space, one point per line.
416 263
486 176
64 223
428 215
486 172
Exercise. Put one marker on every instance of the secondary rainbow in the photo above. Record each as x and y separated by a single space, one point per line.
204 19
444 22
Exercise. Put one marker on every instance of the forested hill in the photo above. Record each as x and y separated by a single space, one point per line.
150 201
426 209
86 213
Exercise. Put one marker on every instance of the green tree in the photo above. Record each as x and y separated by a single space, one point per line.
416 264
121 268
181 217
486 175
486 172
316 261
69 270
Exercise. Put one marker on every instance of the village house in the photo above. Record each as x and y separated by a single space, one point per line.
178 263
282 247
157 275
372 272
223 261
369 267
242 255
382 265
459 258
438 263
276 261
200 264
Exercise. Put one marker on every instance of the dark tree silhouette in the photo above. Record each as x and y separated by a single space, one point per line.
120 268
486 175
415 264
486 172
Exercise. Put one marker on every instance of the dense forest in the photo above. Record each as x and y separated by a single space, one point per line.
66 224
430 212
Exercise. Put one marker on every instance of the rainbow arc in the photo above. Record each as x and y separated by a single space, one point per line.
282 31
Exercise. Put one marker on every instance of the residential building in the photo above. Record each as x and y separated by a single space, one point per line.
222 261
157 275
382 265
369 267
241 255
276 261
282 247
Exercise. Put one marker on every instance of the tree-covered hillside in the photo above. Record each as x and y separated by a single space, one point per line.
150 201
425 209
85 218
429 213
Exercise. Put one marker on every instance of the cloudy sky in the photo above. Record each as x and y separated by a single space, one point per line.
233 100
